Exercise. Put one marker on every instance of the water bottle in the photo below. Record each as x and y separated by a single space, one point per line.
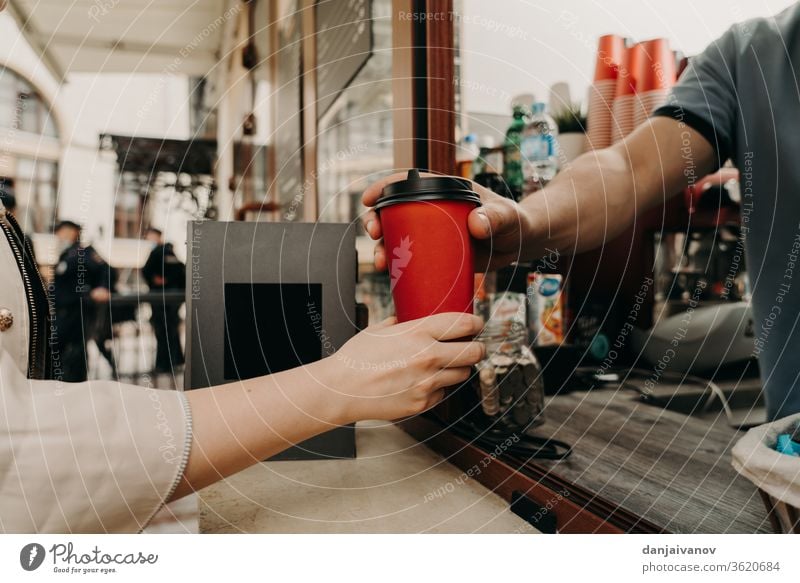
539 150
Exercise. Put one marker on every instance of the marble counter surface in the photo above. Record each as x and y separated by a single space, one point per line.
396 485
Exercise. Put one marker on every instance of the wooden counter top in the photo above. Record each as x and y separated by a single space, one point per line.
668 468
634 468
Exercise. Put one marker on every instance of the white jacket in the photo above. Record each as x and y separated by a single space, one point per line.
98 456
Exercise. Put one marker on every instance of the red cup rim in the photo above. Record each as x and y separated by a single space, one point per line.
429 197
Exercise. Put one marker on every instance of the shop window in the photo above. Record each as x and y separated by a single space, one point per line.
250 171
36 185
355 144
27 125
21 106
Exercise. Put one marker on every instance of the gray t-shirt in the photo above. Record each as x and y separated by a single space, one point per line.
743 95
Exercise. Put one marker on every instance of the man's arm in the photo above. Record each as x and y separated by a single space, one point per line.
99 276
589 202
596 197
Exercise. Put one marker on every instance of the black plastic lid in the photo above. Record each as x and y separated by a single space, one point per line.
421 188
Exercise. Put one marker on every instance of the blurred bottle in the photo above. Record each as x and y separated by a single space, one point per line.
488 168
546 306
484 286
466 155
539 149
512 158
490 158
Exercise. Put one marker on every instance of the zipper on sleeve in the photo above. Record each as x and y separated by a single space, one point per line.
14 241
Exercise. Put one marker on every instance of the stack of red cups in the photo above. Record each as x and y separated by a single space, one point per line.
625 100
610 54
657 74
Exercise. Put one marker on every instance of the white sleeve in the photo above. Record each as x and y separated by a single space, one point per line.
94 457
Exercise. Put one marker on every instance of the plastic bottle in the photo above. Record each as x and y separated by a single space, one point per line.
466 155
512 158
490 158
488 168
539 148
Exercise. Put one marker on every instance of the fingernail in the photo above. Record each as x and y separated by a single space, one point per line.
484 219
368 226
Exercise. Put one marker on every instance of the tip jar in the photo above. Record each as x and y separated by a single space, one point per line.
509 379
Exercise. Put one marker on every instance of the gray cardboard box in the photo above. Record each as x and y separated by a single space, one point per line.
265 297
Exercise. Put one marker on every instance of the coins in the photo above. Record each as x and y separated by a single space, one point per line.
511 387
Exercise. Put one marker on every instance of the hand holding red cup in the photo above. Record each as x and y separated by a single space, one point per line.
429 249
496 228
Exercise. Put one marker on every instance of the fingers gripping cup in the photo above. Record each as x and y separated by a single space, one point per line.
428 246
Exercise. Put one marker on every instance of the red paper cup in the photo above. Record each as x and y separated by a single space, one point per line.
629 70
647 103
610 49
657 69
599 114
623 117
428 245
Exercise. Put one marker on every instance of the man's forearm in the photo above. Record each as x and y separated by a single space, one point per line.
601 192
586 204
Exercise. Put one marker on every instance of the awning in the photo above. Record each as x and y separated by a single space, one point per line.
124 36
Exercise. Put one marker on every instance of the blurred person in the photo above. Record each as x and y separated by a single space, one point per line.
737 100
105 313
163 271
79 282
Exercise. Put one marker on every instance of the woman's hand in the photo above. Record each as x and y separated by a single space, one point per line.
394 370
498 228
387 371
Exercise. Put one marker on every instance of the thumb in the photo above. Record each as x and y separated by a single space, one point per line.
491 219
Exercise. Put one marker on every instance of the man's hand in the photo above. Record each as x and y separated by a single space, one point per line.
498 227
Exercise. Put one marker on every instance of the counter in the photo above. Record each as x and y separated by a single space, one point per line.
635 467
396 485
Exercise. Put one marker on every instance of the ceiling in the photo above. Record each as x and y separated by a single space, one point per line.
124 36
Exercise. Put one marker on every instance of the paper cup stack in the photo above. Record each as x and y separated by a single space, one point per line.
625 100
601 94
656 77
